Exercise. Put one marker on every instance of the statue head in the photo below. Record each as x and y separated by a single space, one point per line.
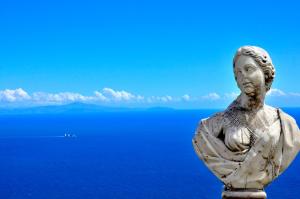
253 57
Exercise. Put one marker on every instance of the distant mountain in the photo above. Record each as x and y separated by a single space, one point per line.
74 108
160 109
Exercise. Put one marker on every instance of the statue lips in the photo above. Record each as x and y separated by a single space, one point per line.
247 84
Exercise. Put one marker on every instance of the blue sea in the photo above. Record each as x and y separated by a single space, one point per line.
116 155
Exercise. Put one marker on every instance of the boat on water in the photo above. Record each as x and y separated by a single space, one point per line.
70 135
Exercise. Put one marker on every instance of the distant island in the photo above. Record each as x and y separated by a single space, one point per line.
74 108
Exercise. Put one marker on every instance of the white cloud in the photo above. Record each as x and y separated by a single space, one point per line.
63 97
100 97
166 98
118 95
231 95
44 98
159 99
275 92
295 94
211 96
16 95
140 98
186 97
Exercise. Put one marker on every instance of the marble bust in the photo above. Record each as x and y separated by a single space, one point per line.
249 144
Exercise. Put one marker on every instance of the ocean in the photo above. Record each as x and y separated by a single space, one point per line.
115 155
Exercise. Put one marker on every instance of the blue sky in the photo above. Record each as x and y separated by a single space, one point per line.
142 53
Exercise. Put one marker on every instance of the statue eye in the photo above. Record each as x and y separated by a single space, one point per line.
249 68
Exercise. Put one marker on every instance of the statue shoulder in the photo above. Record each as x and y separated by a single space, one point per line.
291 138
271 112
213 124
286 117
278 113
215 118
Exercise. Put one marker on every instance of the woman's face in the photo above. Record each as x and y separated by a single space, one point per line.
249 76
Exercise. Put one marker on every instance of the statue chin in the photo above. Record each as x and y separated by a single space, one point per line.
249 91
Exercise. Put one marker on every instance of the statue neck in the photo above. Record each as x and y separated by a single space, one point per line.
252 103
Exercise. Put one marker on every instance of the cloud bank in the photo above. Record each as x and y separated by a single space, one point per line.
16 95
109 96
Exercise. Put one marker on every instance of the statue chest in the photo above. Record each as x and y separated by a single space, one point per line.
238 137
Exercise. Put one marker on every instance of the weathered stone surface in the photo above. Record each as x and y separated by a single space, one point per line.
249 144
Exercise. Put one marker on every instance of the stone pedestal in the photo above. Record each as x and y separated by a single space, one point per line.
244 194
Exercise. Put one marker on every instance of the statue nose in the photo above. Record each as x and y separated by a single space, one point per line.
244 74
